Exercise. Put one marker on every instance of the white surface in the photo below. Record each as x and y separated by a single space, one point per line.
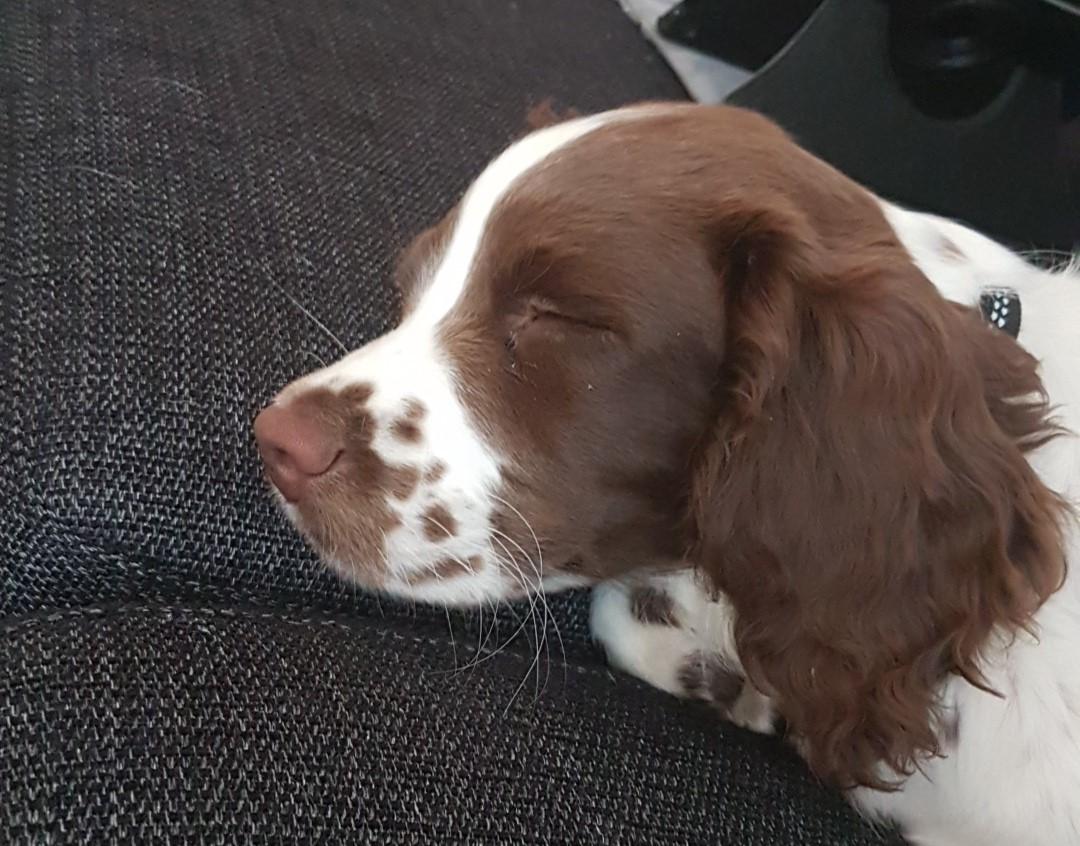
707 79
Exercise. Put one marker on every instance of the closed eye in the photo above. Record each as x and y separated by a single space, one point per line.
540 317
572 319
544 325
546 310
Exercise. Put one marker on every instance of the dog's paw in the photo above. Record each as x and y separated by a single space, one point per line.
753 710
668 633
642 632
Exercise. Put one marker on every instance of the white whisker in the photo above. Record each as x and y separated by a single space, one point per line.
453 640
539 633
516 574
536 596
311 317
314 355
481 656
539 567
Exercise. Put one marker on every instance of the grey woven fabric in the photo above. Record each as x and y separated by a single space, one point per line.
174 175
180 182
182 725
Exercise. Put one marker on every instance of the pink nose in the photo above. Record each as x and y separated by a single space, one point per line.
295 447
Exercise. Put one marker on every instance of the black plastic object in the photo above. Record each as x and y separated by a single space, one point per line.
953 58
746 33
955 106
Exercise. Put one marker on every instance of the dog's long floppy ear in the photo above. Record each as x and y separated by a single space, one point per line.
864 498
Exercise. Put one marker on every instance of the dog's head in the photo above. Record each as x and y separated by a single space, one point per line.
666 336
535 413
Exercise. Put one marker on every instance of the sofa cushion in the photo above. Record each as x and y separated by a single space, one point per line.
196 724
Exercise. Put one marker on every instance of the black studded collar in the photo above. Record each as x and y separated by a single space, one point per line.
1001 308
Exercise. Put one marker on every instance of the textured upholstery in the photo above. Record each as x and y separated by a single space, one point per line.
181 183
157 724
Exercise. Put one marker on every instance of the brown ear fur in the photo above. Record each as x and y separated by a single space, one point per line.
865 500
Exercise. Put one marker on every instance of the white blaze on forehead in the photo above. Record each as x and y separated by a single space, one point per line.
408 362
494 183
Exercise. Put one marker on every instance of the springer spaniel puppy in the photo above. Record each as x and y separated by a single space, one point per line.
782 424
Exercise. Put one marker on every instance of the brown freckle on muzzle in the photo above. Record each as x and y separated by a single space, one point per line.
358 394
439 523
406 430
435 472
402 481
446 568
407 427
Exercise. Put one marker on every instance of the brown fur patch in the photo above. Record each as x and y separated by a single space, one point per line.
725 687
707 677
435 472
407 430
691 675
402 481
446 568
358 394
407 427
439 523
546 113
653 607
